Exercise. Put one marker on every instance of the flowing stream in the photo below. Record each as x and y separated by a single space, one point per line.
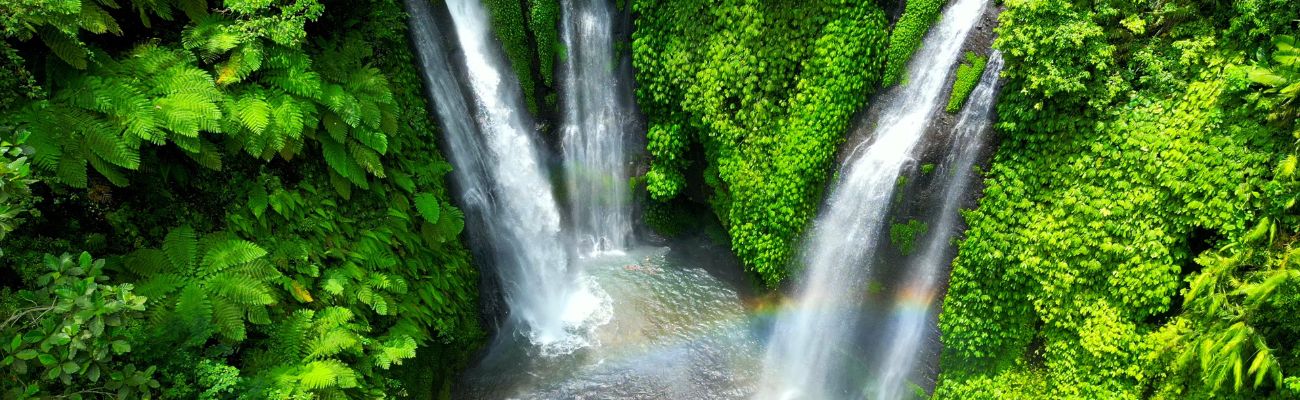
913 307
503 181
811 353
594 130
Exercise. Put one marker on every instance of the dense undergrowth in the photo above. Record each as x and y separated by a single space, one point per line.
1137 232
237 199
767 90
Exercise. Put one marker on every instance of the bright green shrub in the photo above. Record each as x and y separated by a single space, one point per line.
767 90
906 36
968 76
1126 149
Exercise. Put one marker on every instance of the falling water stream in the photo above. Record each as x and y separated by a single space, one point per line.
811 353
594 132
912 311
503 182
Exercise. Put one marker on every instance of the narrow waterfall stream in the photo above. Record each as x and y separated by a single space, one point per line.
503 182
595 138
913 311
812 354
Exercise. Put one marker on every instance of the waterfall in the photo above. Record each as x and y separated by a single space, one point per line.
912 313
806 356
594 134
502 180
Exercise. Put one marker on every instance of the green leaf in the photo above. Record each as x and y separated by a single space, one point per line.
46 359
70 367
121 346
428 207
27 354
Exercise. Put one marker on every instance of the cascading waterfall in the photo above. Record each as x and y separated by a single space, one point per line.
503 181
594 134
912 312
805 356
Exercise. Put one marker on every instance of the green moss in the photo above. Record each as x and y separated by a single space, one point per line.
903 235
968 76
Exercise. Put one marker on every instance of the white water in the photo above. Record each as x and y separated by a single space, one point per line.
810 350
594 129
504 183
912 315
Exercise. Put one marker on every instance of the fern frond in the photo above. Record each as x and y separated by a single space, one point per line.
159 286
287 116
338 100
107 170
246 60
253 112
337 158
208 156
188 113
67 48
193 308
394 351
228 253
229 319
372 139
332 317
240 289
298 81
331 343
367 158
96 20
148 262
101 138
324 374
427 205
72 167
181 248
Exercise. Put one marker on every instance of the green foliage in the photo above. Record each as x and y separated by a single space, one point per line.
1132 140
903 235
202 287
306 353
70 336
767 90
245 78
529 34
968 76
15 183
358 236
543 21
906 36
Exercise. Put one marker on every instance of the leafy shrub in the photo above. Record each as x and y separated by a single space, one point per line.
968 76
71 335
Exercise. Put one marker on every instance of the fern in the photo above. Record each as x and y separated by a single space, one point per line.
211 284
